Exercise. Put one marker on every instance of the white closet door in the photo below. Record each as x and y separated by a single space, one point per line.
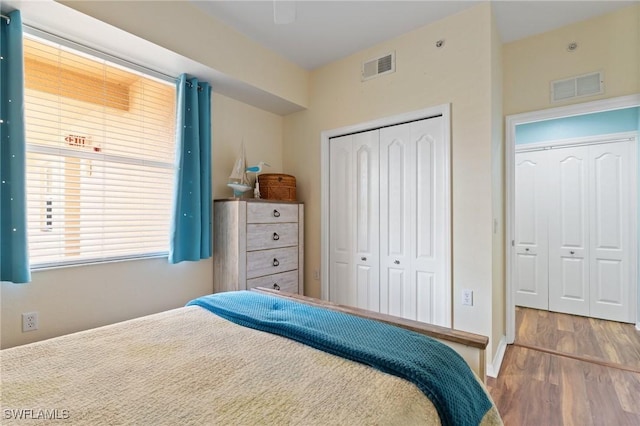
397 293
354 223
366 227
610 210
531 245
568 207
412 197
428 223
341 288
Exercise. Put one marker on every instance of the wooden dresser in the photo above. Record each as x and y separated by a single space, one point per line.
258 243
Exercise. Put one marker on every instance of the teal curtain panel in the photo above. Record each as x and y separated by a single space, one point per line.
191 218
14 254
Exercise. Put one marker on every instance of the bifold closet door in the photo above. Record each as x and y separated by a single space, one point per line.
611 204
531 245
412 197
568 216
575 233
589 231
354 223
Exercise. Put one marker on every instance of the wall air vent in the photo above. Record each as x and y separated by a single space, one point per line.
381 65
578 86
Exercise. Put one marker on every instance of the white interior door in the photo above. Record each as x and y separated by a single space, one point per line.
428 211
412 222
365 182
397 293
354 223
611 215
530 243
568 207
341 265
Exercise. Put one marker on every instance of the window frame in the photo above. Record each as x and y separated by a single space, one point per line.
65 152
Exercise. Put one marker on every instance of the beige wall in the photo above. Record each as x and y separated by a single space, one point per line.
78 298
183 28
235 122
460 74
609 43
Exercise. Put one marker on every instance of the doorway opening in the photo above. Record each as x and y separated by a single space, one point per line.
555 121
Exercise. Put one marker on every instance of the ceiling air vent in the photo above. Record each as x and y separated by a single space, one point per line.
575 87
381 65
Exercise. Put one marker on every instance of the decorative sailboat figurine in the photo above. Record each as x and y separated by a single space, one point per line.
238 178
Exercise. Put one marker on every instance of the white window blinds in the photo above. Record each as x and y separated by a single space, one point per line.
100 158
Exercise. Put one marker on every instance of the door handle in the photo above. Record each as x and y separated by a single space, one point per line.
276 262
276 286
397 262
364 259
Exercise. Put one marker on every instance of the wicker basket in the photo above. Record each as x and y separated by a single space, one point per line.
276 186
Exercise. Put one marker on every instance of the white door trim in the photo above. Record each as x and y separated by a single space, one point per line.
443 110
510 132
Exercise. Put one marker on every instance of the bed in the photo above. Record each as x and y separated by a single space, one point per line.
243 358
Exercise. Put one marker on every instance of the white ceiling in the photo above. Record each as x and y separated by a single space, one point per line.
324 31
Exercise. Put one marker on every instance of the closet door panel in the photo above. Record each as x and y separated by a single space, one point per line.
428 222
396 211
531 243
412 220
609 209
342 278
354 221
568 230
366 238
426 305
367 288
424 194
395 215
391 291
410 298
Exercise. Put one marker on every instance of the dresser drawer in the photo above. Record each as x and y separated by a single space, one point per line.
267 236
287 281
271 213
268 262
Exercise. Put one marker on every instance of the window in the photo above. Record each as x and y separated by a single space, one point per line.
100 157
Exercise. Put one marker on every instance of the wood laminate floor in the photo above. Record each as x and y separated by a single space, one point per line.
567 370
592 339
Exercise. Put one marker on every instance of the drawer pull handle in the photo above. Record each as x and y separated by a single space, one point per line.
276 213
527 249
572 252
276 262
364 259
276 286
397 262
276 237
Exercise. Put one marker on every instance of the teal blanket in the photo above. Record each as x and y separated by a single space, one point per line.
438 371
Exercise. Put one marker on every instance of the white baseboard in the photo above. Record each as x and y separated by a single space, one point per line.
638 326
493 368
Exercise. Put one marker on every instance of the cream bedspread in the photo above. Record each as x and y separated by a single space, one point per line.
190 367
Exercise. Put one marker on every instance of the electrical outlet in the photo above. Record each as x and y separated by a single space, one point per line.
29 321
316 274
467 297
